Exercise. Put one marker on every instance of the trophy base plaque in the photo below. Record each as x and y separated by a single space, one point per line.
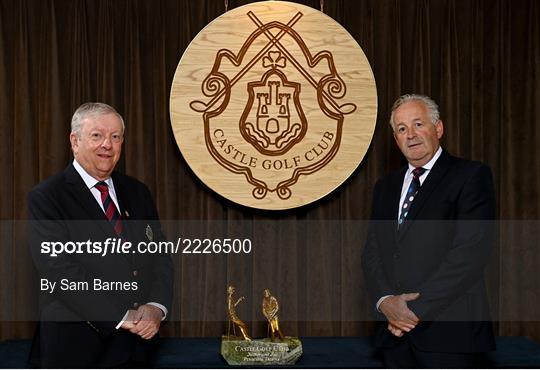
237 351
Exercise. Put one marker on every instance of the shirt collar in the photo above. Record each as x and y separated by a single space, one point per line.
428 166
87 178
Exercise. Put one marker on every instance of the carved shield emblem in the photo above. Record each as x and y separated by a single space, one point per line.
273 120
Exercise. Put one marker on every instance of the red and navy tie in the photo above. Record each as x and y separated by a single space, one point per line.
111 212
411 193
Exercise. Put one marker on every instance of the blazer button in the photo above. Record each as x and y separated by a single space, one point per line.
135 273
135 305
396 256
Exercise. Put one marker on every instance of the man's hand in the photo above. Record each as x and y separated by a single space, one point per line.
397 332
148 321
400 317
131 320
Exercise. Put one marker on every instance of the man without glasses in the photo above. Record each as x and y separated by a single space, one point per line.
428 243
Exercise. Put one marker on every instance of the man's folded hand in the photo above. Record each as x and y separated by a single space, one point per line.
400 317
148 321
131 319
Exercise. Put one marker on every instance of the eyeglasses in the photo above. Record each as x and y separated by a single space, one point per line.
97 137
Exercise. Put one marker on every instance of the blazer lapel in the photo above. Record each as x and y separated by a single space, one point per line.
119 188
123 202
397 185
430 184
392 205
89 206
129 224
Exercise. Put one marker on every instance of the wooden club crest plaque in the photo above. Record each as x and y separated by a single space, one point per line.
273 105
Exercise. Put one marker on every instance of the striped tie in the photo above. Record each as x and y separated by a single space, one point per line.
411 193
111 212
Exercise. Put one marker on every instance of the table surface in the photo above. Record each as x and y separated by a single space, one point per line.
319 352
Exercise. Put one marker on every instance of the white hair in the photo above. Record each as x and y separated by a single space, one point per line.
432 107
91 110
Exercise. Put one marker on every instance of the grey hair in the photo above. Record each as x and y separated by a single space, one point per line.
87 110
432 107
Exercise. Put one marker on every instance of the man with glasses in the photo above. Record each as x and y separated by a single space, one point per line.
104 309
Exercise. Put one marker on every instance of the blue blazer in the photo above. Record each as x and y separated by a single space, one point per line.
440 251
77 328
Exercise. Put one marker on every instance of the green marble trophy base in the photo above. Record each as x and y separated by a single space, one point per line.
237 351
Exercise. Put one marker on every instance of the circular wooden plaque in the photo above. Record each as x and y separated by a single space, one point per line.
273 105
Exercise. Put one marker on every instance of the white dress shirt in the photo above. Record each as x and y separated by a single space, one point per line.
409 176
91 184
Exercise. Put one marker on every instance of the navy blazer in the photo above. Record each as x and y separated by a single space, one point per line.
62 208
440 251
